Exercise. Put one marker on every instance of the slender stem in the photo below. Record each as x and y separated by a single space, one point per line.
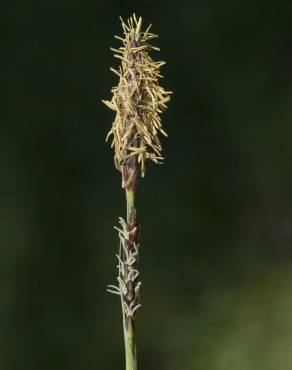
130 349
130 197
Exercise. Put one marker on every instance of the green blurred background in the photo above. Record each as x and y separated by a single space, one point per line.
216 252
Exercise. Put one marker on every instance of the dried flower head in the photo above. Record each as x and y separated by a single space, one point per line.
138 100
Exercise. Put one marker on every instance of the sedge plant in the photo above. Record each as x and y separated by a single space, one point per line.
137 100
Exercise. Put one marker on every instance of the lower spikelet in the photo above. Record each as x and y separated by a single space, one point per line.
128 279
138 100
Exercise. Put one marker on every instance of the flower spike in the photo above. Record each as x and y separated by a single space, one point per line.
138 99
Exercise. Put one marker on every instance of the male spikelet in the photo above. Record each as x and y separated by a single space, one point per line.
138 99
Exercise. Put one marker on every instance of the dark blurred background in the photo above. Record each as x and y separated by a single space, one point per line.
216 252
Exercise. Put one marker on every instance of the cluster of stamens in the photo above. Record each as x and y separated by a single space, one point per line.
138 99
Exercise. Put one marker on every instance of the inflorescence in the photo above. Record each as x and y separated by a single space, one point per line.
138 99
128 278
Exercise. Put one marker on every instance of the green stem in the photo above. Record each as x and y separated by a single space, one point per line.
128 325
130 196
130 348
